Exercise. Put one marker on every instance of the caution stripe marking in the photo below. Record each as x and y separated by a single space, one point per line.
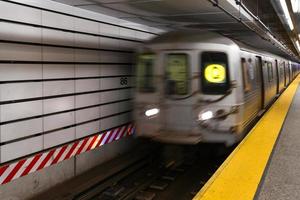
40 161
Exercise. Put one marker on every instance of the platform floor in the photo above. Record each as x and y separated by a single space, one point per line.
281 179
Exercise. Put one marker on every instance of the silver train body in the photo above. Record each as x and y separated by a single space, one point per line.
203 87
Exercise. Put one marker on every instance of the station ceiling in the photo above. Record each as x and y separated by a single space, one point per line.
227 18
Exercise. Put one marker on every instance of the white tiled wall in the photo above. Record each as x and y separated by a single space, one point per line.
43 45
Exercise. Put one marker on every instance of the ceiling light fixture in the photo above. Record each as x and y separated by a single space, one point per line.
298 46
287 14
295 5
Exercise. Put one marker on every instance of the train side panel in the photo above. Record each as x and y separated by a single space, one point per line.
252 86
286 73
269 80
280 75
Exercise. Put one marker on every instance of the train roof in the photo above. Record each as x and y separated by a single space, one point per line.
252 49
191 36
199 36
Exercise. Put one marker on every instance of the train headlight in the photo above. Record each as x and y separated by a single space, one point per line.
205 116
151 112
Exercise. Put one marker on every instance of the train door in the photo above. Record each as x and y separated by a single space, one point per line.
177 102
269 80
277 76
260 80
281 76
285 74
251 71
290 70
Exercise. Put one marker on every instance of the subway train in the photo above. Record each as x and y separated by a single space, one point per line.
194 87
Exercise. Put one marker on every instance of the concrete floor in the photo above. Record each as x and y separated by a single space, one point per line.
281 180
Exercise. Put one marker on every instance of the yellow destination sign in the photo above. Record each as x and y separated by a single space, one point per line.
215 73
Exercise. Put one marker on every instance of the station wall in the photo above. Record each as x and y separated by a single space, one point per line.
65 74
62 77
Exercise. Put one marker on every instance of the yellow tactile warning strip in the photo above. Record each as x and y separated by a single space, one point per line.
239 176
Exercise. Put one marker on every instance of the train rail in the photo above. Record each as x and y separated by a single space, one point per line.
157 177
154 171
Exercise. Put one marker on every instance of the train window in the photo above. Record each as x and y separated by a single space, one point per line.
246 75
177 74
214 73
270 71
281 69
145 68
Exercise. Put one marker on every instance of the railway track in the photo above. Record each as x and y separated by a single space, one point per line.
154 172
157 177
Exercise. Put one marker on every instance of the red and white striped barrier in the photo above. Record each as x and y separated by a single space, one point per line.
42 160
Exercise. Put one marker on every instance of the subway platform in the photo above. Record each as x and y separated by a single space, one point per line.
266 164
282 174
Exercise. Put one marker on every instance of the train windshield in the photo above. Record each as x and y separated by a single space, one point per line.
177 74
145 73
214 73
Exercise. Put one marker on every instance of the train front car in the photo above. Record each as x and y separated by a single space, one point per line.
187 89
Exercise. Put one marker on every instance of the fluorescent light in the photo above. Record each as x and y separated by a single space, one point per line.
295 5
151 112
298 46
206 115
287 14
